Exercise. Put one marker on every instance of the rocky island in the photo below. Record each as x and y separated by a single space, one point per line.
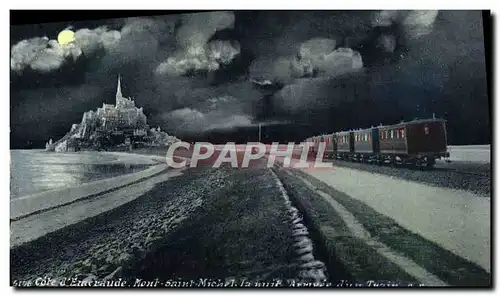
122 126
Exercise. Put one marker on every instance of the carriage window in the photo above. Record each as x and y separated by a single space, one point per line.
397 134
392 134
366 137
402 133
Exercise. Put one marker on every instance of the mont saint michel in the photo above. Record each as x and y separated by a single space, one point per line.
122 126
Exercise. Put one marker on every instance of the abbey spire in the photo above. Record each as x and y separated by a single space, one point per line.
119 89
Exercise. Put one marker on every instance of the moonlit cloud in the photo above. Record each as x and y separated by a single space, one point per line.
91 40
44 55
41 54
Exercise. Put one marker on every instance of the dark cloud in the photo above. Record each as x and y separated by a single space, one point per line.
195 51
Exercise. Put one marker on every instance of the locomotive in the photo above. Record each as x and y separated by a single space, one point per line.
417 142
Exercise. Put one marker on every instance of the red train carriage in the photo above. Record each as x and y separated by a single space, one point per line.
312 142
316 141
328 140
314 147
329 145
418 142
309 141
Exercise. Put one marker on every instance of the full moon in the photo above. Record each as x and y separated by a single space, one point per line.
65 37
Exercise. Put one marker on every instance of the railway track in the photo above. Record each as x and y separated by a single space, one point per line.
482 170
468 173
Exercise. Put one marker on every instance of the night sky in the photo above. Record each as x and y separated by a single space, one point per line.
193 72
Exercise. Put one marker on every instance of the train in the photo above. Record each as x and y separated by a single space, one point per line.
418 143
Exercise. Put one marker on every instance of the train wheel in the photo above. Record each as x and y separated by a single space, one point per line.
412 164
420 163
392 161
430 162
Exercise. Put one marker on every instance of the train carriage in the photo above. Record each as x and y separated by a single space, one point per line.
329 145
418 141
314 145
317 141
366 144
345 144
310 142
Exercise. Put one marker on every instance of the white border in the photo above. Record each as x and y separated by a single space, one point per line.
195 5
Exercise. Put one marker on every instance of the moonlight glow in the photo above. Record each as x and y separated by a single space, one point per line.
65 37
